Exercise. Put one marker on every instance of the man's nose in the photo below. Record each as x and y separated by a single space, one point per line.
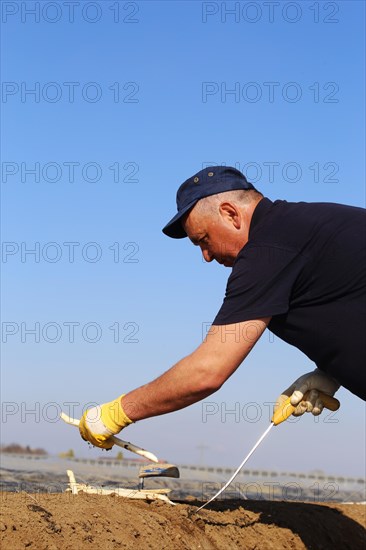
207 256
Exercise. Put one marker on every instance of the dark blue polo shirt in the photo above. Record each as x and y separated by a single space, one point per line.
305 266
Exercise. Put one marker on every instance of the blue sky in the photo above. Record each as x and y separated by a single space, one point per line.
122 112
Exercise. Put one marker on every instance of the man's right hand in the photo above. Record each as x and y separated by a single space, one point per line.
99 423
312 382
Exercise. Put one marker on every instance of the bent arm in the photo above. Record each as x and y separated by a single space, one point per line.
199 374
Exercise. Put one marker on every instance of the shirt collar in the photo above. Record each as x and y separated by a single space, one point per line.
259 213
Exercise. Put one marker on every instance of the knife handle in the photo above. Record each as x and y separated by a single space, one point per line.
286 410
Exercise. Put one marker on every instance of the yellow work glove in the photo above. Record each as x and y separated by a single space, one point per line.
99 423
312 382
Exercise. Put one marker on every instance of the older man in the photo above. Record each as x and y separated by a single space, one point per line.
297 268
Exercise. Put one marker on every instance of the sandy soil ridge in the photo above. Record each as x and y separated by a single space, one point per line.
73 522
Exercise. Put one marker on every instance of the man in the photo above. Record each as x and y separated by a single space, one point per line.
297 268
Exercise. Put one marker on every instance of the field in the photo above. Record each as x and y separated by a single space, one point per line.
69 522
36 513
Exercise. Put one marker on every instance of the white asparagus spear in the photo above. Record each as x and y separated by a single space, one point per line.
124 444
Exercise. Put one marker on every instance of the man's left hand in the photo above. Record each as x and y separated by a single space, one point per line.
312 382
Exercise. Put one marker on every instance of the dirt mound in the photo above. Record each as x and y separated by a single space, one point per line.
69 522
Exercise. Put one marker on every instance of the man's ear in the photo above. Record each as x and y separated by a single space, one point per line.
231 213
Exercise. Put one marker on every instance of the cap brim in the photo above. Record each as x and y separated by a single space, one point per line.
174 228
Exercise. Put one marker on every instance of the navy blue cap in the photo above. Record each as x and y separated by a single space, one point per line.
209 181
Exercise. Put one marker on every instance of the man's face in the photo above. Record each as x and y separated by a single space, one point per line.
217 234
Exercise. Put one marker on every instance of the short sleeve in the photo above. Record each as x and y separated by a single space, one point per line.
261 283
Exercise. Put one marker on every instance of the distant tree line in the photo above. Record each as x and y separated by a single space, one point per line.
15 448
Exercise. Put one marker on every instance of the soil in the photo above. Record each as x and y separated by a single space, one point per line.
73 522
